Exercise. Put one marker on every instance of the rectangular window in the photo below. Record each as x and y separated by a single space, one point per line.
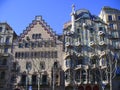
20 45
1 29
47 44
34 79
6 50
32 54
48 54
111 26
26 45
42 54
100 28
16 55
44 79
110 17
55 54
33 45
25 54
23 79
53 44
40 44
67 63
7 40
118 17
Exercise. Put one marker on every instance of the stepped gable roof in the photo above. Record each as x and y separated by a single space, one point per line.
42 23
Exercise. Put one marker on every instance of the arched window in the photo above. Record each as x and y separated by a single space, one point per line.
88 87
55 64
0 39
83 75
34 79
93 61
104 75
77 76
33 36
23 79
67 75
69 63
44 79
42 65
95 87
80 88
28 66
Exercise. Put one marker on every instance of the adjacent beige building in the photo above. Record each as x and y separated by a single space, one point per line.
111 17
38 58
7 35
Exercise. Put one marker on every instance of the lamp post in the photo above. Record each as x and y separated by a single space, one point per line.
38 83
28 68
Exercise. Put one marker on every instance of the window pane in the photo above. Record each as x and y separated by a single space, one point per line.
6 50
2 76
109 17
44 79
7 40
0 29
118 17
34 79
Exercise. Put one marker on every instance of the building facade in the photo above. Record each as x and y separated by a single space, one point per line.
85 52
111 17
7 35
38 58
85 57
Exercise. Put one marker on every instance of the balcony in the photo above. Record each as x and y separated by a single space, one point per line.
103 66
69 33
93 66
102 54
105 82
8 43
6 54
79 55
101 33
68 83
78 67
78 44
85 66
68 44
92 55
3 67
117 47
102 43
67 68
68 54
92 44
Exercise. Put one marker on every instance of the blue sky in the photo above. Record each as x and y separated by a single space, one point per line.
19 13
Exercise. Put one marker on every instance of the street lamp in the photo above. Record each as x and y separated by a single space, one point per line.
28 68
